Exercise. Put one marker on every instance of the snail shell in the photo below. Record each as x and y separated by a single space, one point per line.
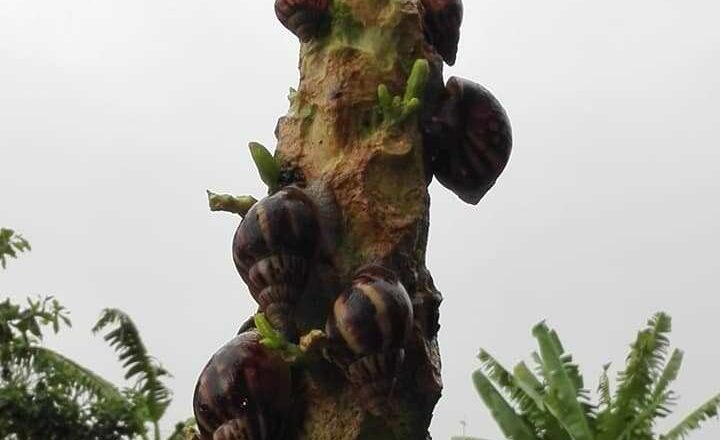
272 250
373 318
243 393
442 26
304 18
470 140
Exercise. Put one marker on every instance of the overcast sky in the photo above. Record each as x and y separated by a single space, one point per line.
115 116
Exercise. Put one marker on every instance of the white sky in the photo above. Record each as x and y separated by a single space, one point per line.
115 116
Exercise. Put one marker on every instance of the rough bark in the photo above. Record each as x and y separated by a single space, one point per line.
376 172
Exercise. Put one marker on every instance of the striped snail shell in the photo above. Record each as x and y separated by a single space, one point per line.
304 18
243 393
373 318
470 140
442 26
272 250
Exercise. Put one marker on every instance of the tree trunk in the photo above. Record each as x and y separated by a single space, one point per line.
375 171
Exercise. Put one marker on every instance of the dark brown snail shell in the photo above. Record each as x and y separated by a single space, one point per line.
272 250
304 18
373 318
470 140
442 26
243 393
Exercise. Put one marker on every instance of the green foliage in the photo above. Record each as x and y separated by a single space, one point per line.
125 338
555 406
11 244
393 110
46 396
186 430
274 340
266 164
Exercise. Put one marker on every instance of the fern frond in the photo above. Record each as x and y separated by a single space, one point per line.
125 338
709 409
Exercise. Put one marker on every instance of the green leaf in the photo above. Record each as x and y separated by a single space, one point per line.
529 384
509 384
561 397
511 424
11 244
266 164
709 409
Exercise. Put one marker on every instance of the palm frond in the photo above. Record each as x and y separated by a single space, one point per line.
709 409
562 397
48 361
528 383
511 424
125 338
604 388
508 383
523 390
670 373
644 363
660 401
643 367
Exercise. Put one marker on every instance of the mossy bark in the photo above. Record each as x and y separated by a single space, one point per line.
375 170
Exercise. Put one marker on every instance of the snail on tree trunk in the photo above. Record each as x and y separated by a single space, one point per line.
374 147
373 319
469 139
243 393
442 26
304 18
273 249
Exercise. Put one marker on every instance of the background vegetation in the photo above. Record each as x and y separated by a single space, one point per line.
552 403
45 395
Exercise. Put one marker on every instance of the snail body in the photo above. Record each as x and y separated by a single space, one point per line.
272 250
470 140
442 22
243 393
373 319
304 18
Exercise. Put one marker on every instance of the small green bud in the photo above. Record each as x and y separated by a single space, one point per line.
384 97
266 164
418 80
